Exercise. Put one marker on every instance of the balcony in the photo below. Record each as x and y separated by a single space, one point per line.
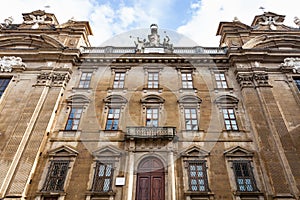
142 132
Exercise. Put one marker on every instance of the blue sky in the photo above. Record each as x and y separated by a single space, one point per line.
196 19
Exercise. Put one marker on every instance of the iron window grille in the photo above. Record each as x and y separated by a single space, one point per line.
119 80
85 80
191 120
56 176
197 176
152 117
113 119
244 176
74 119
229 119
103 177
221 80
3 85
153 80
187 80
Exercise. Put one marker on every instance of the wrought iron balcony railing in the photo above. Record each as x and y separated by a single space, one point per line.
142 132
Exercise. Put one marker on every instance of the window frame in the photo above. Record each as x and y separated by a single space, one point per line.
49 177
296 81
185 83
192 119
153 80
119 83
250 176
230 122
4 85
85 81
96 187
201 163
152 118
74 119
113 119
221 80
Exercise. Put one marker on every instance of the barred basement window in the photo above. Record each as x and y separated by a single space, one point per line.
152 117
119 80
244 176
229 119
85 80
113 119
221 80
191 121
297 82
197 176
187 80
103 177
74 118
3 84
153 80
56 176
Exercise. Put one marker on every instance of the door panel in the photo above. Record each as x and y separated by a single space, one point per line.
157 188
150 180
143 188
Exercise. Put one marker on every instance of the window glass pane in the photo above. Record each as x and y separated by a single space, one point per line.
85 80
119 80
74 118
103 177
197 176
244 176
112 120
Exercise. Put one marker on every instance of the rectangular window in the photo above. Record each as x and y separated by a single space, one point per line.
3 84
191 122
85 80
50 198
119 80
113 119
74 118
153 79
152 117
229 119
221 80
103 177
56 175
244 176
187 80
197 176
297 82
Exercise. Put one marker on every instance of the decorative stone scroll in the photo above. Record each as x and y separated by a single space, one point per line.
291 64
8 63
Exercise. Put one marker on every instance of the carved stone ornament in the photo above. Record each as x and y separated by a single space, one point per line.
261 79
8 63
153 45
291 63
53 79
245 80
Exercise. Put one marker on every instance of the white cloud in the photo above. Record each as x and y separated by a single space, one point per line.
203 25
108 20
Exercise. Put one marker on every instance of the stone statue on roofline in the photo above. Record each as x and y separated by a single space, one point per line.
153 45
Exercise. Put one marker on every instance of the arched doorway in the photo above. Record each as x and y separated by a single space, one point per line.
150 180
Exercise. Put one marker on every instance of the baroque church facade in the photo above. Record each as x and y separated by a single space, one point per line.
152 121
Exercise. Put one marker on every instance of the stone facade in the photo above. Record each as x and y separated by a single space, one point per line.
153 121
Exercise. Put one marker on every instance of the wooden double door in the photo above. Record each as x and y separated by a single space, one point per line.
150 180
